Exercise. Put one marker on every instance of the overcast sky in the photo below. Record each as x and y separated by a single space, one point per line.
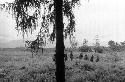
105 18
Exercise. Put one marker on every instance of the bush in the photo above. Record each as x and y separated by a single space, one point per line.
85 49
98 50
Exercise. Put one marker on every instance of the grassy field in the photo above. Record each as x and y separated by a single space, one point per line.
17 65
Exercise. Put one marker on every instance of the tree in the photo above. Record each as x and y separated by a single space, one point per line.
54 11
111 44
97 43
85 47
114 46
122 45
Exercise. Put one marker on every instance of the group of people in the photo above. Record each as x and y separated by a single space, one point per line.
92 59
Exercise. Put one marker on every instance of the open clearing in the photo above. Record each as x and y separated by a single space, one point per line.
17 65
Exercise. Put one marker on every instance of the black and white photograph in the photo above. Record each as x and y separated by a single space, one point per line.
62 40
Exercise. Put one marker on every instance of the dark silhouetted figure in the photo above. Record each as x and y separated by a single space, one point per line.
66 57
54 58
92 58
71 56
86 57
80 56
97 59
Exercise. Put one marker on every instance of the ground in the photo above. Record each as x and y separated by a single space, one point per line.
17 65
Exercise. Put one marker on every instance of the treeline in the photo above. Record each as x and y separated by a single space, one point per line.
112 46
115 46
99 49
96 48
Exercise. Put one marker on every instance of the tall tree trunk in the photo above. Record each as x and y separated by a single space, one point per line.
60 65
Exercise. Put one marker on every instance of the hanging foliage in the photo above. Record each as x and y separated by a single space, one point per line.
27 22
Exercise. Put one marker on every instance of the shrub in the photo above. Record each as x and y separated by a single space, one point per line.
85 49
98 50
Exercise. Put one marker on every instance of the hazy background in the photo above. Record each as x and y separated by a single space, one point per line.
97 17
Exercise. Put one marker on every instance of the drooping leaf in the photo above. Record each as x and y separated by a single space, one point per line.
27 22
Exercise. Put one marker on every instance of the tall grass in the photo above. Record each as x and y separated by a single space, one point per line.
42 69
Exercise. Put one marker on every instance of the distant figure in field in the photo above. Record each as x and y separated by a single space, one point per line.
80 56
66 57
97 59
54 59
86 57
92 58
71 56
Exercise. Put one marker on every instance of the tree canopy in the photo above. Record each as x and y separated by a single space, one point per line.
27 22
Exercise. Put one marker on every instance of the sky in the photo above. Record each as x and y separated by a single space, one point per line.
97 17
